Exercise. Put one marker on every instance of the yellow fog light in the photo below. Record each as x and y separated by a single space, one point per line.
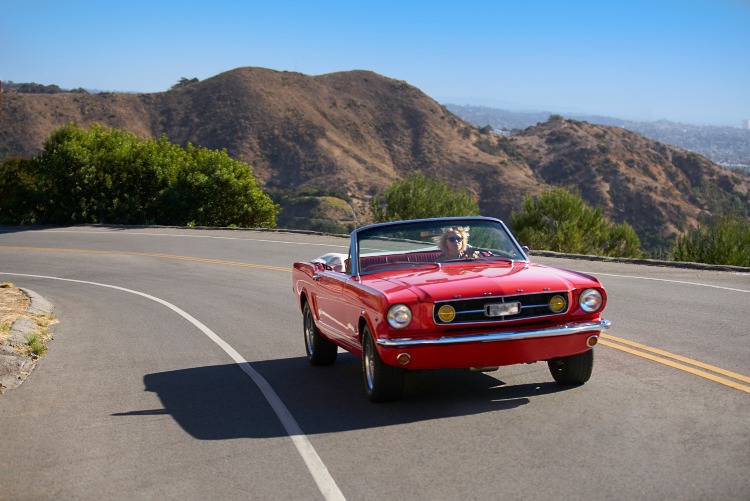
557 304
403 358
446 313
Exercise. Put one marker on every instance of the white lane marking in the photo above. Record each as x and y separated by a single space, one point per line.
315 465
670 281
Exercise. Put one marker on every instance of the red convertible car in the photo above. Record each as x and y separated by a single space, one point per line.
446 293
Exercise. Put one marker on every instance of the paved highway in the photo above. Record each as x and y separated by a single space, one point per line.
178 372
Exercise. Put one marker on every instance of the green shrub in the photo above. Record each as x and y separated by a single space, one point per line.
36 345
98 176
488 146
316 209
725 240
561 221
111 176
18 194
211 189
417 197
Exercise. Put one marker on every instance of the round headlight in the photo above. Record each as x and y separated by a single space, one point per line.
557 304
446 313
399 316
590 300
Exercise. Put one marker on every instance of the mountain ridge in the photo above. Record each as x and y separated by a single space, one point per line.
724 145
356 132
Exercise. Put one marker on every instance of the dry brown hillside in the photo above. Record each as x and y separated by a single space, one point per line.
660 190
355 132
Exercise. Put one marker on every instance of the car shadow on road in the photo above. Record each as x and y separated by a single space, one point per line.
221 402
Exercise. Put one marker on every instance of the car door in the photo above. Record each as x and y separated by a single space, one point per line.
332 310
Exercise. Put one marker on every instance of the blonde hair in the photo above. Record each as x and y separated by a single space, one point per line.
460 230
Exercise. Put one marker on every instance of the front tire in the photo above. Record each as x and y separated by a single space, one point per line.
320 351
383 382
572 370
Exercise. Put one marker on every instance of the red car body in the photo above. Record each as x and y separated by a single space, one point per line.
396 304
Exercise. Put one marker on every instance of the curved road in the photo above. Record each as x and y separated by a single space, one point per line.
178 372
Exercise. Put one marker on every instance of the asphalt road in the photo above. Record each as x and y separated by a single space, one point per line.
178 372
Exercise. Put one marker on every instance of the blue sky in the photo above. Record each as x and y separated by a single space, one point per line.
686 60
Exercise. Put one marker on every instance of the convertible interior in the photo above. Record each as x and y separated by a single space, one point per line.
410 257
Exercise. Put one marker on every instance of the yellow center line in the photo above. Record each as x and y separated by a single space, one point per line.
613 343
686 360
148 254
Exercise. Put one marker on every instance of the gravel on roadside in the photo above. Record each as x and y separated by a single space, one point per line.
25 319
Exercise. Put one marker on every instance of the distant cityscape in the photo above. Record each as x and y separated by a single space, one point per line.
726 146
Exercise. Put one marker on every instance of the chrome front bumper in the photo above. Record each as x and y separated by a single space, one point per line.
558 330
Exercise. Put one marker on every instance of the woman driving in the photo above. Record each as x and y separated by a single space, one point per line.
454 244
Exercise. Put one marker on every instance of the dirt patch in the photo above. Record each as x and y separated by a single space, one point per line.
13 303
24 333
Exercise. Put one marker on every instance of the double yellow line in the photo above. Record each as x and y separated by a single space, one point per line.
717 374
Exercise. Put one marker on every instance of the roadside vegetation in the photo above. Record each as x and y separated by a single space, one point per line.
28 341
110 176
327 210
561 221
725 240
36 344
418 196
104 175
14 304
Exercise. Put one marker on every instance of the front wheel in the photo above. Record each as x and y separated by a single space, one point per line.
575 369
320 351
383 382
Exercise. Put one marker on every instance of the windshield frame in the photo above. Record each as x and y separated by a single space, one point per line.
376 231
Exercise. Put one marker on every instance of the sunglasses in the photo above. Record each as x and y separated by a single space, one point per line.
455 239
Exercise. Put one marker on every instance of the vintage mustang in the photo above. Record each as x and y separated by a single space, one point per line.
446 293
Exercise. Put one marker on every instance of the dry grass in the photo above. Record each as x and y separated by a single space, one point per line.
14 303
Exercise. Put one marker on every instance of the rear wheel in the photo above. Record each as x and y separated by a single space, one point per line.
382 382
575 369
320 351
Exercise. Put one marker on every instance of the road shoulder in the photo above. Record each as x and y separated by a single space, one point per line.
24 315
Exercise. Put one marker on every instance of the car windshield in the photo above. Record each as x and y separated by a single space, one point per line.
416 243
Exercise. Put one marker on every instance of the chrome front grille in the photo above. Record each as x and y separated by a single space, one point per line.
476 310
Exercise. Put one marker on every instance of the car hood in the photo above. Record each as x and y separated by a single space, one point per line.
454 281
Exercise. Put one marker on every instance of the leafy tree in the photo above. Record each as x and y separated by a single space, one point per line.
211 189
417 196
99 175
561 221
18 195
31 88
107 175
723 241
184 82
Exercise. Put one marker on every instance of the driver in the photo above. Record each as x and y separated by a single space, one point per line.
454 244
